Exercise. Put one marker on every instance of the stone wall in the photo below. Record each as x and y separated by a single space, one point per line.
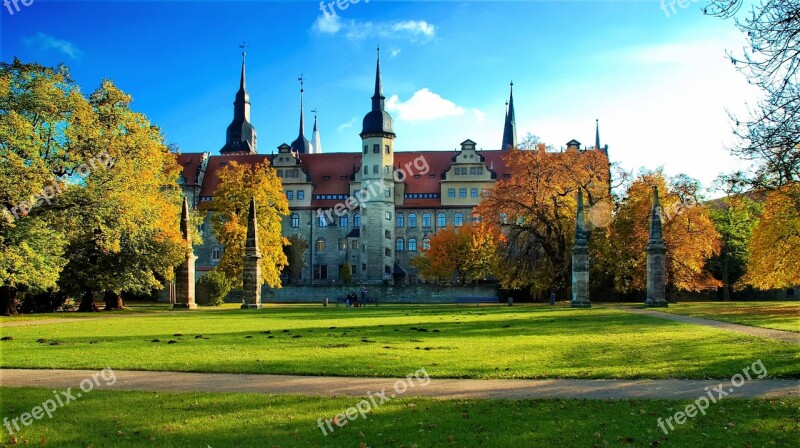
419 293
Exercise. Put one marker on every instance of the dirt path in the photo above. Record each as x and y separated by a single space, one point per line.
436 388
786 336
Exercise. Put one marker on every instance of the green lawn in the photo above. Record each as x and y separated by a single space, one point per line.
133 419
394 340
775 315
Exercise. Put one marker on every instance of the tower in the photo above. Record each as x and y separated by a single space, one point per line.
301 145
656 258
316 143
377 184
510 125
240 137
184 275
251 273
580 259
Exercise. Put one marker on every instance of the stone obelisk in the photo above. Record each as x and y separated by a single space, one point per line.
656 258
184 275
251 273
580 260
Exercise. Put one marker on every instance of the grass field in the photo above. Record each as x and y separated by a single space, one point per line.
135 419
775 315
448 341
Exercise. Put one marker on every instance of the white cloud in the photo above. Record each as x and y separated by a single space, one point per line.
410 30
349 124
394 52
43 42
479 114
423 105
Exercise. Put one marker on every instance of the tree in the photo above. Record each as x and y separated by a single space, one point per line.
774 256
295 252
217 286
534 210
689 235
735 218
86 172
228 213
347 274
122 221
771 134
449 249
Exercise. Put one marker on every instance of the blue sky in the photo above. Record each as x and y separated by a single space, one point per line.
659 85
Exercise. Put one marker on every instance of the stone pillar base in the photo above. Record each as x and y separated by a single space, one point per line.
251 306
184 306
580 304
656 303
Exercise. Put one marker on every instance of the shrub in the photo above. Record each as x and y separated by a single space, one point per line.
216 287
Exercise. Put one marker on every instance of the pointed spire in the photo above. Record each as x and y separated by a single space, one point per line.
251 243
656 230
580 222
301 145
185 220
510 126
378 98
597 134
240 136
316 142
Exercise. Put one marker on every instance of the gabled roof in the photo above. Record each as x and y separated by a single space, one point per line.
189 163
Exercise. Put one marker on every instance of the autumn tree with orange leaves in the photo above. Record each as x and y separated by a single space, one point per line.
534 211
467 252
689 234
774 260
228 214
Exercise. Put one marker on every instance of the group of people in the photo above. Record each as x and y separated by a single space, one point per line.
353 300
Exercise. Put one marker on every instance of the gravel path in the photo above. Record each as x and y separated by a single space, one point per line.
786 336
436 388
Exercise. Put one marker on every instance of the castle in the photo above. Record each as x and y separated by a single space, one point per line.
373 210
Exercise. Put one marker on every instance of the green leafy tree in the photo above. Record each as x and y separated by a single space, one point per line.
295 252
217 285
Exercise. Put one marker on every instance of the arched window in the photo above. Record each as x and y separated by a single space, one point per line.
426 243
426 220
412 244
357 220
459 220
399 245
295 220
412 220
321 245
344 221
322 221
441 220
216 253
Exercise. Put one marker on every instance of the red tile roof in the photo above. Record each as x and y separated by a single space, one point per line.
189 162
331 172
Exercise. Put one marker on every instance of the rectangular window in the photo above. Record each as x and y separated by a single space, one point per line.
399 245
301 195
386 148
343 221
366 170
375 169
376 149
426 220
441 220
320 271
387 193
412 220
388 252
462 192
401 218
473 192
290 195
451 193
280 173
386 169
365 149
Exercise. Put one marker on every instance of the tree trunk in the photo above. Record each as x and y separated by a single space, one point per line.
8 300
726 287
113 301
87 303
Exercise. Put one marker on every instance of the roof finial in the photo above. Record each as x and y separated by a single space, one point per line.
510 125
